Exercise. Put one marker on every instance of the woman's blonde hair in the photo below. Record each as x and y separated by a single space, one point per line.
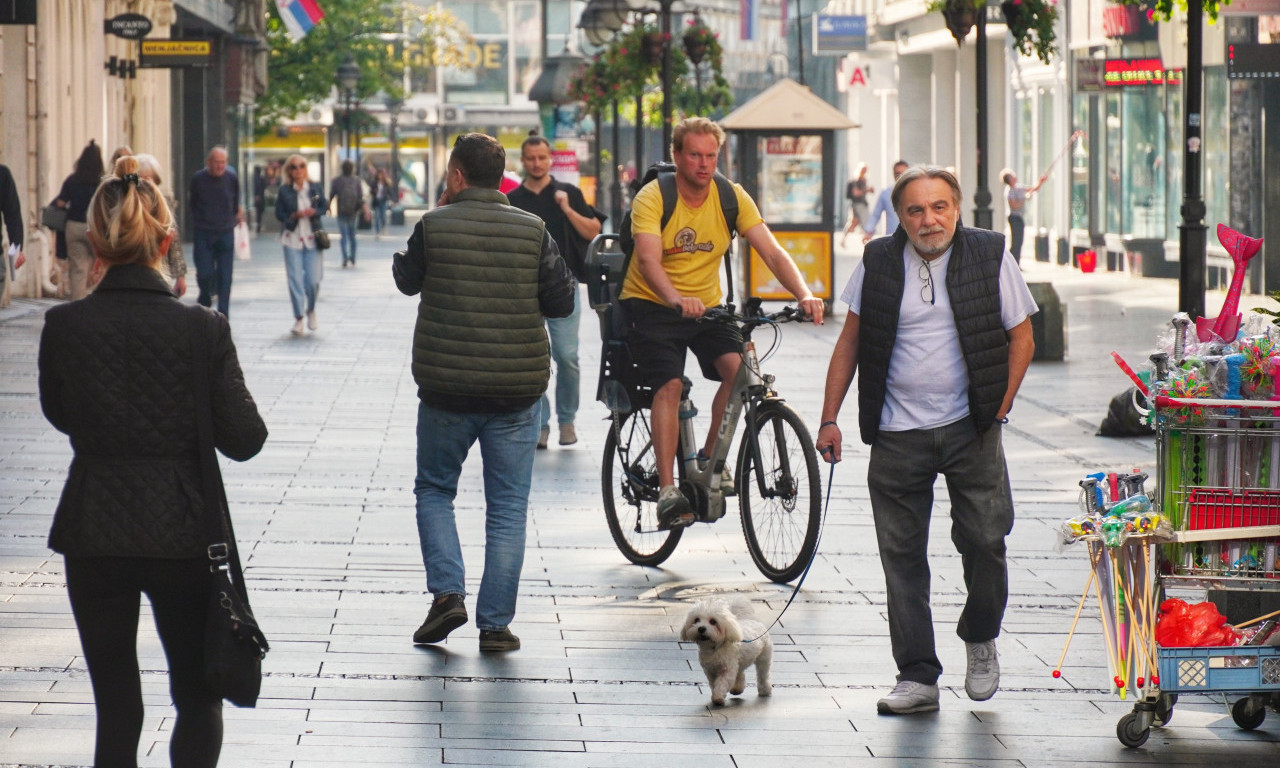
128 218
300 160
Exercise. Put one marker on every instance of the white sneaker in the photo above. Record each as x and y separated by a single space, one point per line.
982 677
909 698
311 320
297 327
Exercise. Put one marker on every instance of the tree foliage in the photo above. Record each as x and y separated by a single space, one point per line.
382 37
1162 10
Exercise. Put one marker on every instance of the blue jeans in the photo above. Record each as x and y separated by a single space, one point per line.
347 228
900 479
507 442
379 217
563 333
303 269
214 253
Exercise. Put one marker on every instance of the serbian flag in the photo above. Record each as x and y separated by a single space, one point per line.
299 16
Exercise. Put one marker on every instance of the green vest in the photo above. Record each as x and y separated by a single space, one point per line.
480 330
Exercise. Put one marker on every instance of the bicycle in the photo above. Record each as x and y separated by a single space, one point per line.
776 477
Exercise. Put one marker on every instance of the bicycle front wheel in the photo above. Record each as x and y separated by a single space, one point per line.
780 492
629 476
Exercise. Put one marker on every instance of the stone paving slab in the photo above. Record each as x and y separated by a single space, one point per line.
325 517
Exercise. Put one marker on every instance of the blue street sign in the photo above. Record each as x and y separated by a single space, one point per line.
838 35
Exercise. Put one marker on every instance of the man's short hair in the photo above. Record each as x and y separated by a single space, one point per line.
917 172
699 125
480 158
534 140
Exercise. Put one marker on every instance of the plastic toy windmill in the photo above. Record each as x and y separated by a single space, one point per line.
1227 324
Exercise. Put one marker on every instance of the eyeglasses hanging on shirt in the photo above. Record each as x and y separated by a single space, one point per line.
926 276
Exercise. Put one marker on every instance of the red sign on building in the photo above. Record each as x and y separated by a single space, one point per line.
1119 72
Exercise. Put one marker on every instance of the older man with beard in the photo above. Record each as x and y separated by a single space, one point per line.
939 319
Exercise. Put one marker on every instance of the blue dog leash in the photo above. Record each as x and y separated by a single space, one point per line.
831 476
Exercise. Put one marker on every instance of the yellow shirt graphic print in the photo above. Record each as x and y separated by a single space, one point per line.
693 242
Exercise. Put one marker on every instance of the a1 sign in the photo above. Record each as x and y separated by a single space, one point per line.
130 26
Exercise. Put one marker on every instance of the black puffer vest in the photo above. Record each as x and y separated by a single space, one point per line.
973 285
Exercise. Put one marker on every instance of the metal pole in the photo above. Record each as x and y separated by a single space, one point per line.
639 135
1191 233
665 21
395 158
615 190
982 195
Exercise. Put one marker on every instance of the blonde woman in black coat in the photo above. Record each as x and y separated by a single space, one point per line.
116 377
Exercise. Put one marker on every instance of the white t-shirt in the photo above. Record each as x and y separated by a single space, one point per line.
927 384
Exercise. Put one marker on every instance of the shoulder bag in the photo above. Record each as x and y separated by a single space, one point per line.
53 217
321 236
234 646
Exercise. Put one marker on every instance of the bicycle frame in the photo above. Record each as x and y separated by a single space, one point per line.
750 389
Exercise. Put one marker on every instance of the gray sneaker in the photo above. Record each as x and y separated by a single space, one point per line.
543 436
982 677
498 641
909 698
674 510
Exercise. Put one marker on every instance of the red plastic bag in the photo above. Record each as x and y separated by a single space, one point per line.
1193 626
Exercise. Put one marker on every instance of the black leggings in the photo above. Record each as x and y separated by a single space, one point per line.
105 596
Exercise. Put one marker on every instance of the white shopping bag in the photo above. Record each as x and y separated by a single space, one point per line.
242 241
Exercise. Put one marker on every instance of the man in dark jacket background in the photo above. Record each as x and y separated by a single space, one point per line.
488 273
939 331
214 204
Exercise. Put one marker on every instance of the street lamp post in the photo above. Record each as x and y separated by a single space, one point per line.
394 106
348 79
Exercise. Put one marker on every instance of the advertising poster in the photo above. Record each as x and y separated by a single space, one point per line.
812 254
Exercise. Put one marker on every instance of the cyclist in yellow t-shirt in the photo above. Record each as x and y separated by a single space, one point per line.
674 277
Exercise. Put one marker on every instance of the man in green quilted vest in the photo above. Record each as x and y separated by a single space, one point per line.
488 274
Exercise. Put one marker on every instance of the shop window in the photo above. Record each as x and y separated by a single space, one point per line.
1142 172
1080 166
1216 159
1111 198
1045 198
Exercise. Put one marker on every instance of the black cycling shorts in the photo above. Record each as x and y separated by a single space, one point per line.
659 336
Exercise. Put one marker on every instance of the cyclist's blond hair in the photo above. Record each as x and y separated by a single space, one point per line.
700 125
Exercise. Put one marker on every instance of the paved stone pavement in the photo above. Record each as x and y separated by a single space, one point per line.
325 516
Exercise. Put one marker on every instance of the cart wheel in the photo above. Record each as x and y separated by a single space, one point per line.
1130 731
1247 715
1164 708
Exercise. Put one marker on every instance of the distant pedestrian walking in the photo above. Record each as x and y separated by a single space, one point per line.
571 222
299 208
884 206
214 198
348 189
856 192
116 377
11 217
381 195
487 273
73 240
149 168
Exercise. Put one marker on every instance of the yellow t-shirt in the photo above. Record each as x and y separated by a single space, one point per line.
693 242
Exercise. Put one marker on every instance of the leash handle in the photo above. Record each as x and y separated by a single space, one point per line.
831 476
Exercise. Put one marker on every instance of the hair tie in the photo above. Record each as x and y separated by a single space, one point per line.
131 178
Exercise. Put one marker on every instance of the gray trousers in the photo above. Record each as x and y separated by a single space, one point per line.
901 476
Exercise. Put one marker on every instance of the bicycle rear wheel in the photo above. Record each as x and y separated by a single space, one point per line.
629 476
779 492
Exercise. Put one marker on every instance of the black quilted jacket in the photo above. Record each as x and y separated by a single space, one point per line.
115 376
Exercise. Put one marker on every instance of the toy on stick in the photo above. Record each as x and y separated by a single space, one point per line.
1226 325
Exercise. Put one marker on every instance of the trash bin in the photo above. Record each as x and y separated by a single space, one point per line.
1049 325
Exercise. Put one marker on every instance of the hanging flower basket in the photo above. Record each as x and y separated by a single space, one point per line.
651 47
1031 23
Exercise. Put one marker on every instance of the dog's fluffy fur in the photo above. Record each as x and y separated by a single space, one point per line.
719 628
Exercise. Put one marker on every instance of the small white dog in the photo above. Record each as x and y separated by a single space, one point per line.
719 629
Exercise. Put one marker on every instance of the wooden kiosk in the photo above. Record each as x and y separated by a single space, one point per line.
786 159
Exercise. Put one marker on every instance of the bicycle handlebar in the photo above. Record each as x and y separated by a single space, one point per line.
727 314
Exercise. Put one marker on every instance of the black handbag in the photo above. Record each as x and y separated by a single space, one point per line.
53 217
234 645
322 240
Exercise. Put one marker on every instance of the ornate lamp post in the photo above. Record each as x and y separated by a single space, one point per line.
348 79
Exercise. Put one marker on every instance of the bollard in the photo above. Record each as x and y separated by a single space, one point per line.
1049 325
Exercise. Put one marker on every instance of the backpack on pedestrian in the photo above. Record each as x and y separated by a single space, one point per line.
620 387
350 194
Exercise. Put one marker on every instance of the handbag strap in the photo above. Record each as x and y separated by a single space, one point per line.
222 549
